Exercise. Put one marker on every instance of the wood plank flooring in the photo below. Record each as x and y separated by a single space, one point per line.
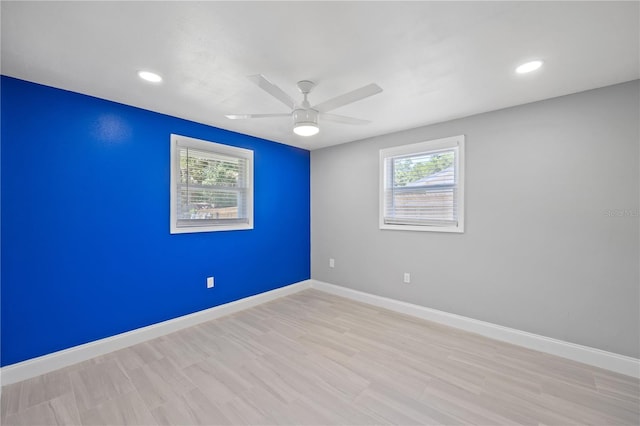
316 359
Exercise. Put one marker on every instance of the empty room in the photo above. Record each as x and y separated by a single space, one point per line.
320 213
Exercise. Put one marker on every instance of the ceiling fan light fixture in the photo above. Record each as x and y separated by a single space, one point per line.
305 122
306 129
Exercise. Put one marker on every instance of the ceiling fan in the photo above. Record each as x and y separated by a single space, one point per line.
305 116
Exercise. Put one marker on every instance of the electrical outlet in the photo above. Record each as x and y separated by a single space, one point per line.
407 277
209 282
332 263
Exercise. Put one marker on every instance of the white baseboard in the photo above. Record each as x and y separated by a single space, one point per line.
36 366
598 358
46 363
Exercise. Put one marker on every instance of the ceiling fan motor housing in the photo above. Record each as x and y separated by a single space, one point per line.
305 122
303 117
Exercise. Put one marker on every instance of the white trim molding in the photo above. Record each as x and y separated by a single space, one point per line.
217 152
36 366
44 364
388 156
595 357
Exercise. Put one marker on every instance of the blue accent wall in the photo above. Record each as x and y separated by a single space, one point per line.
86 250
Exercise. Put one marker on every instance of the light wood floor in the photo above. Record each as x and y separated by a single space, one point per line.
313 358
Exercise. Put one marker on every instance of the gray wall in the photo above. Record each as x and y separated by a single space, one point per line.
540 252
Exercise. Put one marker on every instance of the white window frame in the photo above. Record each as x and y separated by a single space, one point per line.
456 142
215 148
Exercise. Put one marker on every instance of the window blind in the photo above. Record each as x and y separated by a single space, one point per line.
421 189
211 188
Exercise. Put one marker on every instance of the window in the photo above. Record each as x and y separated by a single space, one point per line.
422 186
211 186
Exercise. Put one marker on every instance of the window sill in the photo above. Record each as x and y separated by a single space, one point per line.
456 229
195 229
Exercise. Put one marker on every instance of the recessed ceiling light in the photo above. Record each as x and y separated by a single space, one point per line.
528 67
149 76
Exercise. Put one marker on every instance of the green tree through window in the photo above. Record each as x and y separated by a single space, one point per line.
215 174
407 170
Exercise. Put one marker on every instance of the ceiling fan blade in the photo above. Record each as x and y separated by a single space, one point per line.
347 98
272 89
244 116
343 119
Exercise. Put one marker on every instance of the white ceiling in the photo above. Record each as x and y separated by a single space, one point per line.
435 60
